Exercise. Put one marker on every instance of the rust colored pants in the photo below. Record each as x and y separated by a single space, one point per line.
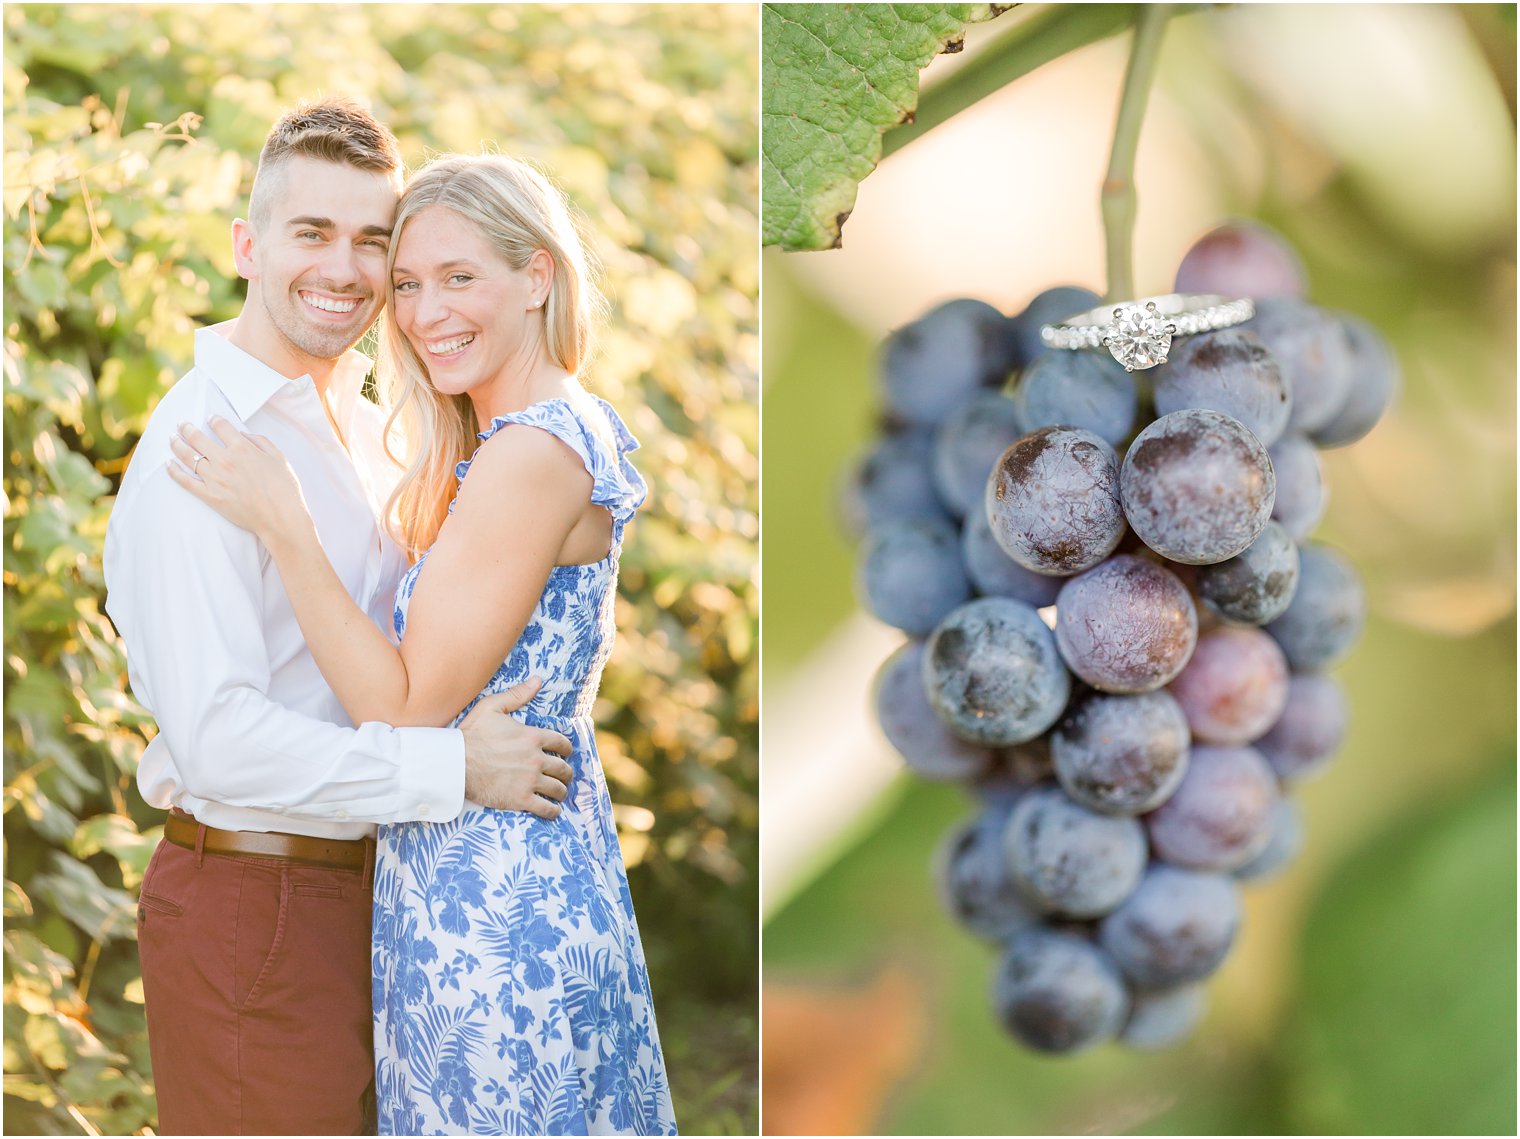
257 980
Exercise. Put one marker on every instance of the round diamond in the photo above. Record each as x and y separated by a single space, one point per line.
1139 337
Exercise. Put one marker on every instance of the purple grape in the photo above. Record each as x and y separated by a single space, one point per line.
1050 307
911 726
911 574
1122 755
1126 625
967 446
1027 763
1242 259
1374 379
1326 614
974 881
1310 729
1053 501
1219 816
993 674
1078 389
933 366
1231 372
1256 585
1176 927
1057 992
1197 486
1234 687
1301 495
1071 861
1315 356
994 573
1160 1017
1287 839
893 481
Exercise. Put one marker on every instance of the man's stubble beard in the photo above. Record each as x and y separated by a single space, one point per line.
306 339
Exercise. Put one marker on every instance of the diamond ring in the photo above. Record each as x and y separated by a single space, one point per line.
1139 333
195 466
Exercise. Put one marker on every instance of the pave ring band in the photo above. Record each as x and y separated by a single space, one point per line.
1139 333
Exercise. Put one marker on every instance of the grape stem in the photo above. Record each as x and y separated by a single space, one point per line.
1028 44
1118 198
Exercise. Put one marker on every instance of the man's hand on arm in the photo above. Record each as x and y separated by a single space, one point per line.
510 766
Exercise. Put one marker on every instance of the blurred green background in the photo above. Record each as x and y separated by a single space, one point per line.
130 138
1372 989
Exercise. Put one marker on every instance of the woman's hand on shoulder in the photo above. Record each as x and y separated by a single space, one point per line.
242 476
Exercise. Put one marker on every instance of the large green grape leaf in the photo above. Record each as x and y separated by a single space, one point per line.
1407 1020
835 78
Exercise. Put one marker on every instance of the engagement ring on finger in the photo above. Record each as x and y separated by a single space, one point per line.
195 466
1139 333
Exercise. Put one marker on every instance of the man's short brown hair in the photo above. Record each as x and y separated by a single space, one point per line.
333 130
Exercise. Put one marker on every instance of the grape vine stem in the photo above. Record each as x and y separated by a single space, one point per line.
1118 199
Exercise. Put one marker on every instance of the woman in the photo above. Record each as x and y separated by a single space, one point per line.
511 995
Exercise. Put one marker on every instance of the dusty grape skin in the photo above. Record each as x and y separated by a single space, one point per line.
993 573
911 574
1230 372
1218 818
1235 686
992 672
1242 259
894 480
912 727
1197 486
1310 730
1301 493
1256 585
1052 501
1057 992
1315 356
1078 389
1374 380
967 446
1161 1017
1121 755
1126 625
975 886
1176 927
1287 839
1071 861
934 365
1326 614
1050 307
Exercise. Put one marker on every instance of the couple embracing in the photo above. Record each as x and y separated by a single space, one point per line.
287 559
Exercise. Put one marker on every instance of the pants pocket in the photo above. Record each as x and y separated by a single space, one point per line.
262 910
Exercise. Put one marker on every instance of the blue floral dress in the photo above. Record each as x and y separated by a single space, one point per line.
511 995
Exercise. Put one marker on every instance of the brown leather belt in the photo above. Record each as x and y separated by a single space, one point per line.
341 854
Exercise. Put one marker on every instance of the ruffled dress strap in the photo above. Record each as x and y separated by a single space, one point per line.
615 483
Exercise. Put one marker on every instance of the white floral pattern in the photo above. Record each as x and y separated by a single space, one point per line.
511 995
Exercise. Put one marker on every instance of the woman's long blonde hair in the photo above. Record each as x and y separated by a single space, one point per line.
519 211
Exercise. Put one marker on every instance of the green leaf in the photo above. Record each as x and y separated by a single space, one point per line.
835 78
1408 1007
72 889
17 904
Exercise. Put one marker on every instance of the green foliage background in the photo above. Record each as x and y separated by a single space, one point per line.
130 135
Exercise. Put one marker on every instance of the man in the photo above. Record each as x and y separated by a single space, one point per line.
254 923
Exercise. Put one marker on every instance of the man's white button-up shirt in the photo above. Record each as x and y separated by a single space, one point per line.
250 735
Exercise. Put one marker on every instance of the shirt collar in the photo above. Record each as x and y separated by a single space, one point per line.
249 383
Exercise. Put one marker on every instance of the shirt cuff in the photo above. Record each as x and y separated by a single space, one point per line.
432 775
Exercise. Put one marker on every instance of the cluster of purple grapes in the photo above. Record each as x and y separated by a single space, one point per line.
1118 639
